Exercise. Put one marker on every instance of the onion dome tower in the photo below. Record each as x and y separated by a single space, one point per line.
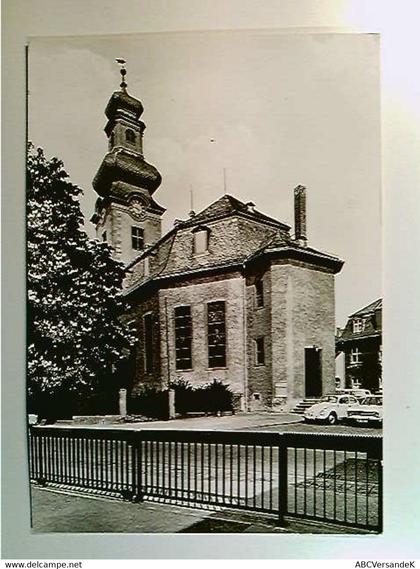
126 215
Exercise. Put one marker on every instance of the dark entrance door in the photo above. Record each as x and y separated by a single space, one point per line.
313 372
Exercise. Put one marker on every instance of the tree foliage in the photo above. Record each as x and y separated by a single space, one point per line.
75 334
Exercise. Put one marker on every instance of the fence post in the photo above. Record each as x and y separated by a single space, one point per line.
136 466
40 478
282 480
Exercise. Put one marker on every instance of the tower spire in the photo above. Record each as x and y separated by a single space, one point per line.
121 62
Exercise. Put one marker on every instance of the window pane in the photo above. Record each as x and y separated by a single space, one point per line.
137 239
260 352
200 241
259 294
216 334
183 337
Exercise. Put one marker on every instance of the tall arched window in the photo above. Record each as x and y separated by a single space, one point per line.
130 136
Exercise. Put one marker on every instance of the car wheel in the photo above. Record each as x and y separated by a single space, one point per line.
332 419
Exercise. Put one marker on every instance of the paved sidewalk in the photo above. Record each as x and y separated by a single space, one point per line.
76 512
228 422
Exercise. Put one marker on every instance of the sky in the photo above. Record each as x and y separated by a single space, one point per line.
273 110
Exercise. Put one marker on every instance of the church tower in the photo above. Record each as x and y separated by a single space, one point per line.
126 215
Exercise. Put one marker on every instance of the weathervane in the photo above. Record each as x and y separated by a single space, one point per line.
123 71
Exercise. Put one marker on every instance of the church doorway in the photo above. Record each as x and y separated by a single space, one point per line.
313 372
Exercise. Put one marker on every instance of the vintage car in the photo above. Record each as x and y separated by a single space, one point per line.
330 409
369 411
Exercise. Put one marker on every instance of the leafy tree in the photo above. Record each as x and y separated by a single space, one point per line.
75 335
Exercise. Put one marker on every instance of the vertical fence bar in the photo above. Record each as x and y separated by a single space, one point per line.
271 478
296 482
246 475
335 485
169 466
324 466
380 496
304 481
176 467
231 473
238 464
282 480
262 476
367 488
355 485
345 486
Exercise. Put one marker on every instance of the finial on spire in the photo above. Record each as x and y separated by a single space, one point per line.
121 62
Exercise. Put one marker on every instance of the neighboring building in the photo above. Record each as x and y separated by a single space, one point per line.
361 343
226 294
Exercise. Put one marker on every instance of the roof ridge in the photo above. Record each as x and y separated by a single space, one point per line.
369 307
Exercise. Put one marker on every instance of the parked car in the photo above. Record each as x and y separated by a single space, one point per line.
369 411
330 409
357 392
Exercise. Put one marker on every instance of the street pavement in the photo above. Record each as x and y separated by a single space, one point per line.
277 422
75 512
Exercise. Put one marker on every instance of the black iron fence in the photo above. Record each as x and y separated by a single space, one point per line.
336 478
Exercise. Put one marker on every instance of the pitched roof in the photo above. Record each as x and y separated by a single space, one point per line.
229 205
376 305
273 240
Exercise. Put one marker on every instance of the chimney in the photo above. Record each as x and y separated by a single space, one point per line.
300 215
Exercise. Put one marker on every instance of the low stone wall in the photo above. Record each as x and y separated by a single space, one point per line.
97 419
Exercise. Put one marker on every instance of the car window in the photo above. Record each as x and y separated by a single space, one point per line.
344 399
372 401
352 400
329 399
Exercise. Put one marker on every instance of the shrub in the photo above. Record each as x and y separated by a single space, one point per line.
210 398
150 402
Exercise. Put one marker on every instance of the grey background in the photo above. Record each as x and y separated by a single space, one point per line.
401 237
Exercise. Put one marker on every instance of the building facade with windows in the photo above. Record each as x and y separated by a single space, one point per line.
228 293
361 343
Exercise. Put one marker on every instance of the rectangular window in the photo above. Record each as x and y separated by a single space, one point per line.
355 356
358 325
137 238
201 241
259 352
259 294
216 333
183 337
148 341
104 236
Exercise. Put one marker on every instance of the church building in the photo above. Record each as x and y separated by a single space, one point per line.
228 293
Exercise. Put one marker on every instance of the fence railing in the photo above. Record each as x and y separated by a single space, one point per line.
336 478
